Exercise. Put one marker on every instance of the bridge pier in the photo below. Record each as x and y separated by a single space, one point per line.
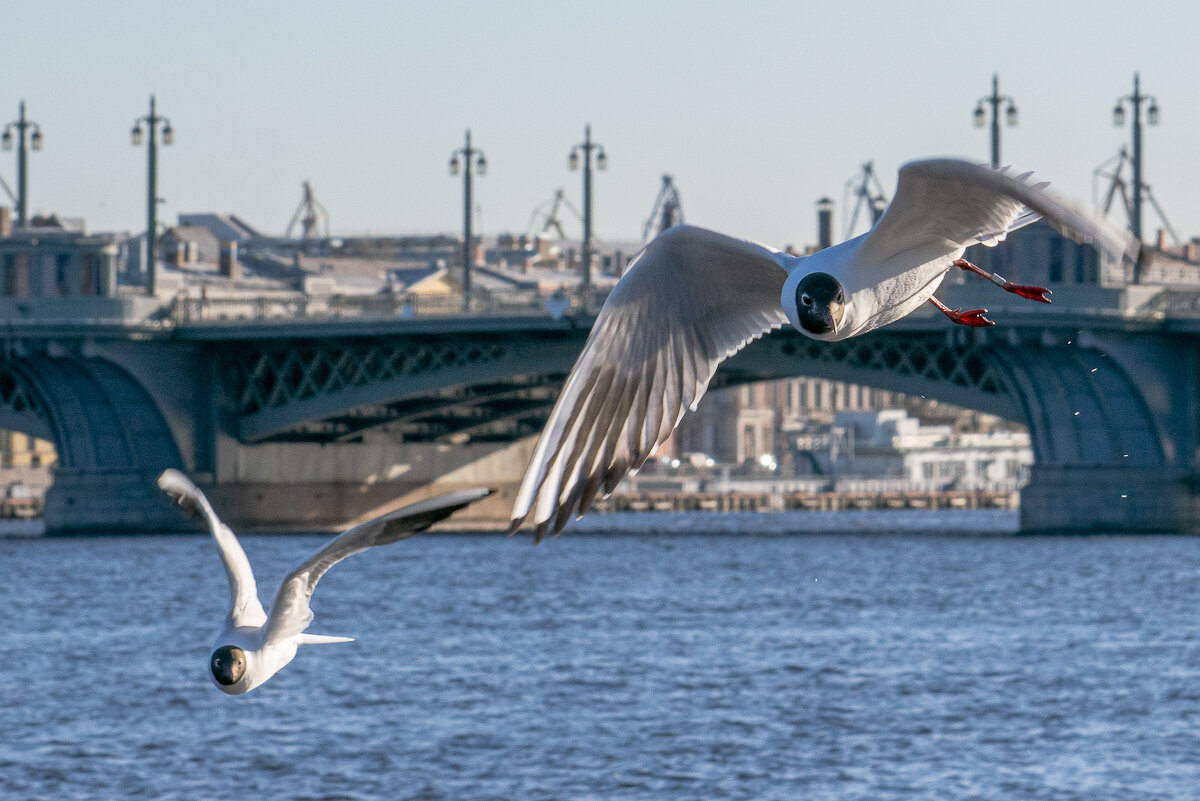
324 487
1080 499
108 501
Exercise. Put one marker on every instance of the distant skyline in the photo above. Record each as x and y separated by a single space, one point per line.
756 108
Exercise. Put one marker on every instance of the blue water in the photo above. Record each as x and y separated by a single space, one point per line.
739 666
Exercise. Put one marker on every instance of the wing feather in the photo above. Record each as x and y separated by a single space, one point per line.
958 204
244 607
688 301
290 614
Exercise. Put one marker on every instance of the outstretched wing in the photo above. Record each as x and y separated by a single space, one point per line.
290 614
244 606
958 203
691 299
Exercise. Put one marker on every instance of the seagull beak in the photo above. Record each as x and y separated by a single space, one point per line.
829 320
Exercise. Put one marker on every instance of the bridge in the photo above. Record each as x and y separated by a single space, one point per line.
296 412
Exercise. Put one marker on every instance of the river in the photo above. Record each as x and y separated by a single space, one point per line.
699 657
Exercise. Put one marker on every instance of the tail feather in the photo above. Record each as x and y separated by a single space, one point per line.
320 639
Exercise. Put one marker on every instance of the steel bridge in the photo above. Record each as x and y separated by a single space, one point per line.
299 414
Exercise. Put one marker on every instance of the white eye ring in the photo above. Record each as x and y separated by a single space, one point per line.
806 299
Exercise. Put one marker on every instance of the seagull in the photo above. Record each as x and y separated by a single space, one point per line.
693 297
252 646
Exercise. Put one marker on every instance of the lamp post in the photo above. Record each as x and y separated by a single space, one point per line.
462 158
35 141
151 122
1135 100
587 146
995 99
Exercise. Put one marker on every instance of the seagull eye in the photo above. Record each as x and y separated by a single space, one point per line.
806 299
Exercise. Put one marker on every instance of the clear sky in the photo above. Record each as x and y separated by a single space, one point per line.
757 108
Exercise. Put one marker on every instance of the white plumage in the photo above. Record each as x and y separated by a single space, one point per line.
253 646
694 297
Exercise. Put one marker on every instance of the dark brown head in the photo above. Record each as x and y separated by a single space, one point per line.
228 664
820 303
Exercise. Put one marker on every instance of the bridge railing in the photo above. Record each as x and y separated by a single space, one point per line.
524 302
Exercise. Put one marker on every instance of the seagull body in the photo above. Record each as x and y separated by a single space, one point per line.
253 646
693 298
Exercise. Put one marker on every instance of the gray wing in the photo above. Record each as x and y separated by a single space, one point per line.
244 607
956 204
690 300
290 614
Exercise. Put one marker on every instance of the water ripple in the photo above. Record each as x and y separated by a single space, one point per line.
745 665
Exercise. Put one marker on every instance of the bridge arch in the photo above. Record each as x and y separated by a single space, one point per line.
111 439
1111 414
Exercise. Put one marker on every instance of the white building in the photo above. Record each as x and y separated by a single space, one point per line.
891 444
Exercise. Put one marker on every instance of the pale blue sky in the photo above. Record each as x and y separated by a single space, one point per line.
757 108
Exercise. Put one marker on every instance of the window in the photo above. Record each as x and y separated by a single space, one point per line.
1087 267
88 267
1055 259
60 274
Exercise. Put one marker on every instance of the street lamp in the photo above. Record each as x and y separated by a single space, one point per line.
586 147
1135 100
138 134
995 99
461 158
35 141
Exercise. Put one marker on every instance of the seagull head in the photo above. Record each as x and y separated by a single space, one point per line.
228 665
820 303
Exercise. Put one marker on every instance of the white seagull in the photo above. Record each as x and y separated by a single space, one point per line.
252 646
693 297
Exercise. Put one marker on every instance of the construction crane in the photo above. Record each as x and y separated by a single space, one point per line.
668 210
311 215
1117 185
545 216
865 186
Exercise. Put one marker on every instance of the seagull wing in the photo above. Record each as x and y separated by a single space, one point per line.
955 204
244 606
691 299
290 614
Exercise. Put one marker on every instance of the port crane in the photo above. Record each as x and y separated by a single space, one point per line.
668 210
1117 185
868 192
311 215
545 216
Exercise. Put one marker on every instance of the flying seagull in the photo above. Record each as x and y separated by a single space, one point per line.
252 646
693 297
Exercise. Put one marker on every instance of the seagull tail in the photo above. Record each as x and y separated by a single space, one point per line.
320 639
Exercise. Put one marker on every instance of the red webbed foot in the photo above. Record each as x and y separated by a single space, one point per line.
1037 293
971 317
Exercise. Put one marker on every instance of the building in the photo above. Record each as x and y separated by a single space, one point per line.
51 259
759 423
891 444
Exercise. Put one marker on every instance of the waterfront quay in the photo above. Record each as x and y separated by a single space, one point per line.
831 501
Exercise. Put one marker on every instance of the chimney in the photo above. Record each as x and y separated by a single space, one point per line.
1162 239
5 221
180 253
229 260
824 223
